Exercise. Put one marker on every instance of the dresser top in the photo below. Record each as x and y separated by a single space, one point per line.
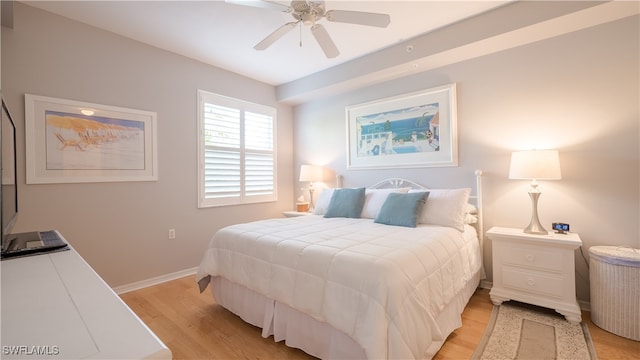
58 303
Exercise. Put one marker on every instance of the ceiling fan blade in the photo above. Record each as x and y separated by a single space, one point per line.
274 36
359 17
265 4
324 40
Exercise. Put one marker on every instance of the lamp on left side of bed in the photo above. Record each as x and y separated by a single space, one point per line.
311 173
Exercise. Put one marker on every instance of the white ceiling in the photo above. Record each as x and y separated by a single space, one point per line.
223 34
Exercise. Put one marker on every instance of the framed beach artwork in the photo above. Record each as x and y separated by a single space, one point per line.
406 131
72 142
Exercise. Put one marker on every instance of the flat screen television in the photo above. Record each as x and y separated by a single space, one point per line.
8 174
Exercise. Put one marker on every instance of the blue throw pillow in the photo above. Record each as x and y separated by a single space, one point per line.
402 209
346 203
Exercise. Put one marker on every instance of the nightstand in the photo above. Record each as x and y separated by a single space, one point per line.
295 213
535 269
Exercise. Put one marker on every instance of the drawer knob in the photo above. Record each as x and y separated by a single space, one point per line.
531 282
530 257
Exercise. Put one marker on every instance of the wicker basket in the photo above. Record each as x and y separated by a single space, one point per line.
614 274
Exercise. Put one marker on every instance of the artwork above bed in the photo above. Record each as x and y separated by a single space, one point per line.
353 286
412 130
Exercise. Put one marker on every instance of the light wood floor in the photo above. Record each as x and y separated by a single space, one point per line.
193 326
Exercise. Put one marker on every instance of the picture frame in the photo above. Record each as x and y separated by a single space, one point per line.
69 141
412 130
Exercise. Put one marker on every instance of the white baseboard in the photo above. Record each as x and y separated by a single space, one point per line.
154 281
584 305
485 284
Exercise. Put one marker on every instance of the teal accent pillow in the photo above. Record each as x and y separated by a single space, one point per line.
402 209
346 203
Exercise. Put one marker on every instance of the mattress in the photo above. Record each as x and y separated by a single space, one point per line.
385 287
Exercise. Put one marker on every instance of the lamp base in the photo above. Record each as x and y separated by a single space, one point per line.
534 225
311 205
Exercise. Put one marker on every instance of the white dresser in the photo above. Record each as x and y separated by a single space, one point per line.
535 269
55 306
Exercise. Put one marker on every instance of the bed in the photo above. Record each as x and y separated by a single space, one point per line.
355 281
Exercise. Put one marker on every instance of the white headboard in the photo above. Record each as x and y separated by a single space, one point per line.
396 183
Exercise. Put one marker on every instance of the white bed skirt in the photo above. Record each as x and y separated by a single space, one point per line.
314 337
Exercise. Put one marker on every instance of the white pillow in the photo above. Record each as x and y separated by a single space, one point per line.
471 209
373 200
322 202
470 218
445 207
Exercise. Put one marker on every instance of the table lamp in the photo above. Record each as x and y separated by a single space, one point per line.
311 173
535 165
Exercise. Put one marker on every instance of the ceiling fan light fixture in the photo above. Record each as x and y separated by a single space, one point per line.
308 19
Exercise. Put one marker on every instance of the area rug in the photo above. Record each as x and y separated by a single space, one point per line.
521 331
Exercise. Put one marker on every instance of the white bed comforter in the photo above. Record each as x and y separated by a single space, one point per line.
382 285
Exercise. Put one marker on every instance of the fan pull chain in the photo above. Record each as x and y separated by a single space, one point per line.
300 34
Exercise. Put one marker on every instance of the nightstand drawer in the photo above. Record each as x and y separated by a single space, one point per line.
533 282
533 257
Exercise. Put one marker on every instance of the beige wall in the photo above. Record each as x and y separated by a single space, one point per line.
578 93
121 229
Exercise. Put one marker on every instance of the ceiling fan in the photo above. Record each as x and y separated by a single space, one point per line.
309 13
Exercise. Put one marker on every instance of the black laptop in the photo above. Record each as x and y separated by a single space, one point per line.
31 243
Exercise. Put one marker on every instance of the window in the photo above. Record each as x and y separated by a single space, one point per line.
236 150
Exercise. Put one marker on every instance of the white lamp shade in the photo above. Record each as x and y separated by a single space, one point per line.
535 164
311 173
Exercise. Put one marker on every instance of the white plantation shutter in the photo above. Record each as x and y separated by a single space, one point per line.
259 165
237 154
221 151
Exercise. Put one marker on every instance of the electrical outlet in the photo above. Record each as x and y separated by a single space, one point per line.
172 234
